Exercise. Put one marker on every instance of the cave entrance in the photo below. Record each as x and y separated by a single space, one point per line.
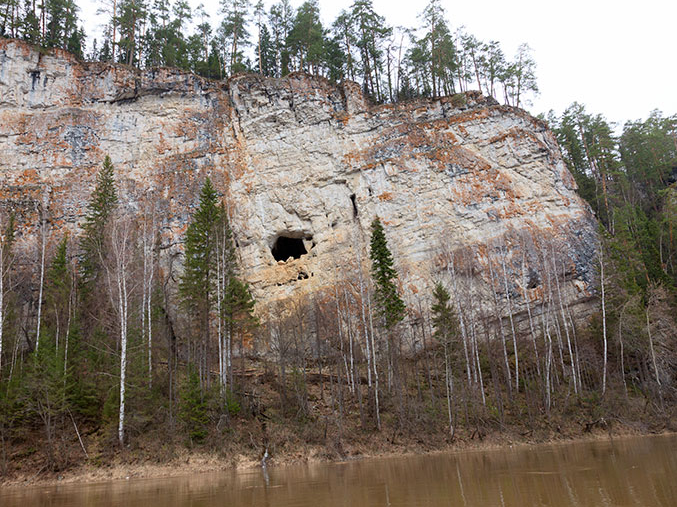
286 247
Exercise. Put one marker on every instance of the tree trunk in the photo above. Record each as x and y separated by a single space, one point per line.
601 281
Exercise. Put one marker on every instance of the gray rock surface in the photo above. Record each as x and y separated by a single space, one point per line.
300 158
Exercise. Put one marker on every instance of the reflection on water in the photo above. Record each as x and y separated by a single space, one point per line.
634 472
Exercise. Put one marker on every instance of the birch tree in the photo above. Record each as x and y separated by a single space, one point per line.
121 281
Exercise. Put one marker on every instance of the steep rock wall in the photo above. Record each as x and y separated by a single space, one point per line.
300 158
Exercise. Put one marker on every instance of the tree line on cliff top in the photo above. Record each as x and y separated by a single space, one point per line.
391 63
108 342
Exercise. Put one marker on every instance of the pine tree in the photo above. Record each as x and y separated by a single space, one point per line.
306 38
390 305
132 16
234 29
335 60
524 69
281 18
30 24
370 30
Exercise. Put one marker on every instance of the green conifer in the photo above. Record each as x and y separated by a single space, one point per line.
390 305
199 268
101 205
444 318
192 407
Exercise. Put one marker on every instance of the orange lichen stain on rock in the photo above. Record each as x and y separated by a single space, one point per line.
514 132
386 196
474 188
521 137
465 158
430 141
504 183
161 145
28 177
237 164
482 251
12 123
568 179
189 124
511 210
342 117
533 295
469 116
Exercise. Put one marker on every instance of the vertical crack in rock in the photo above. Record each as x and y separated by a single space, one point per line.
352 199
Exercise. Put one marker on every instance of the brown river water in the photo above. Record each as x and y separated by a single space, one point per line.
638 471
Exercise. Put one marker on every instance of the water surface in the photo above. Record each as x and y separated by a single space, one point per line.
632 471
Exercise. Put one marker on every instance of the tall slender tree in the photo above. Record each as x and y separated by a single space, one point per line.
446 329
99 210
197 287
390 305
6 261
234 29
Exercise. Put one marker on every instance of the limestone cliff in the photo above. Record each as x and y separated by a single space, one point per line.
304 160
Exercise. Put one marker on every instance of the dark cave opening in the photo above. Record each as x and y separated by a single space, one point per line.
534 280
352 199
286 247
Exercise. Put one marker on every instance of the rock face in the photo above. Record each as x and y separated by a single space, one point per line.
304 167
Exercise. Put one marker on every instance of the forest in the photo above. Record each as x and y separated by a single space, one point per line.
392 63
92 367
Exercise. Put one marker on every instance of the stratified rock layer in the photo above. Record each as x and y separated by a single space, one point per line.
303 159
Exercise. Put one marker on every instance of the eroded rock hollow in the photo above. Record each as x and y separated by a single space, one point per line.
304 166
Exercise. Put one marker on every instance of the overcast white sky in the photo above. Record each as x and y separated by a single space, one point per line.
616 57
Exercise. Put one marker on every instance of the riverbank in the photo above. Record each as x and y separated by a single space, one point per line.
318 420
126 466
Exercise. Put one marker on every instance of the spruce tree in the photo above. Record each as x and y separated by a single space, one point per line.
101 205
198 282
46 387
390 305
444 318
199 265
6 261
30 24
238 305
193 407
446 327
58 294
93 297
